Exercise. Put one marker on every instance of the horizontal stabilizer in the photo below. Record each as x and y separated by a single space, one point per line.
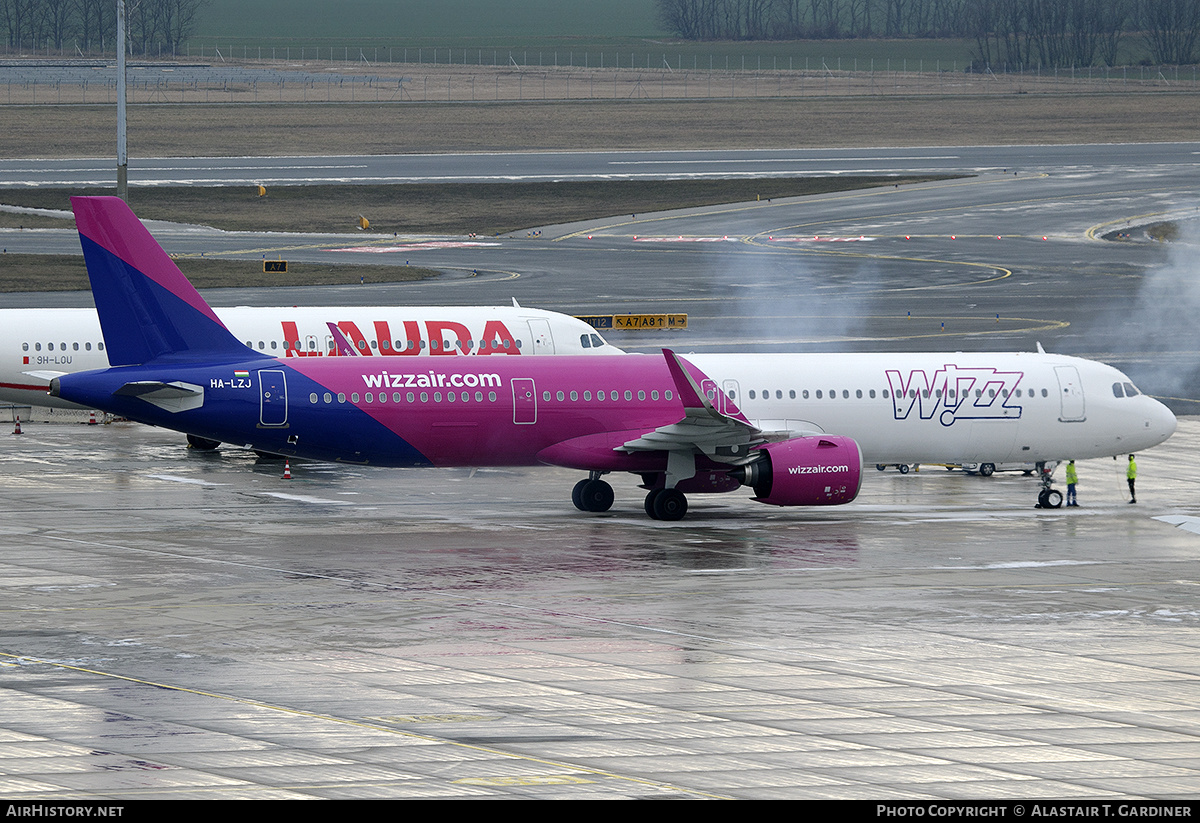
172 397
44 375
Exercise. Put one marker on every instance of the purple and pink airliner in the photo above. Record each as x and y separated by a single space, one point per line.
795 429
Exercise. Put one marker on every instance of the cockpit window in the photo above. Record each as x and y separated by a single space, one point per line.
585 341
597 341
1131 390
1117 390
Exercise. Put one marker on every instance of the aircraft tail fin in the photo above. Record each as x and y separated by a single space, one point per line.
148 310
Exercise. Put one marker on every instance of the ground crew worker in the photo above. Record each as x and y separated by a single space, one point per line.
1072 479
1131 475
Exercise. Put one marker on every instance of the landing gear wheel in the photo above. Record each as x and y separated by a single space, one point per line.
651 496
880 467
1053 499
596 496
903 468
987 469
670 504
201 444
577 494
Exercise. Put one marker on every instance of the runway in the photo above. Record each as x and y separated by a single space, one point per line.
541 166
189 625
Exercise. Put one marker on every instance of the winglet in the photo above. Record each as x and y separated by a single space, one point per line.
147 308
692 395
344 349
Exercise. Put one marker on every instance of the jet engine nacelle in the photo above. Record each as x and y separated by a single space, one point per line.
821 470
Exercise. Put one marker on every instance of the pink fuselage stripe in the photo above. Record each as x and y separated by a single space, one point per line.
473 433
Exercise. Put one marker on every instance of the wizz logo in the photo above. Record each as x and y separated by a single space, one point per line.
952 393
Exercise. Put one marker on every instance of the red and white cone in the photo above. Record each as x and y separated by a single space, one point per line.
287 470
17 430
92 418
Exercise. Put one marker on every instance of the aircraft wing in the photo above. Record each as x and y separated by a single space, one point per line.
725 436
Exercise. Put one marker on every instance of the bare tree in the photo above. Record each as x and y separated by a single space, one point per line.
57 20
177 21
1115 14
1171 28
97 23
20 20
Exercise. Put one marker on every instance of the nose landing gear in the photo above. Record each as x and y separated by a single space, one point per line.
1048 497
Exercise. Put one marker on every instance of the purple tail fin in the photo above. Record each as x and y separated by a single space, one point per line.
148 309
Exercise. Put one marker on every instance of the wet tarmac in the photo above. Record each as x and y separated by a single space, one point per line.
188 625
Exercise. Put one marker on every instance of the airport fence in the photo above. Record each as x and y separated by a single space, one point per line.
94 82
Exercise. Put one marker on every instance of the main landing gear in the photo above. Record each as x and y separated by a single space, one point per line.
666 504
1048 497
202 444
595 495
592 494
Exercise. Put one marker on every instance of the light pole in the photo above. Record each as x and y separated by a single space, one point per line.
122 154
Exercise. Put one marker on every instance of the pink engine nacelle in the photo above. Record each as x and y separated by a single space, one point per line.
822 470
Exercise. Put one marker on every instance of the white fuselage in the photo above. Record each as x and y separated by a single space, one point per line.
38 344
946 408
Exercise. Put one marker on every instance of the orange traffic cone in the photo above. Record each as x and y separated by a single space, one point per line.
287 470
17 430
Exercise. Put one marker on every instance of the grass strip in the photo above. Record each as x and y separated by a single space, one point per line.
434 208
52 272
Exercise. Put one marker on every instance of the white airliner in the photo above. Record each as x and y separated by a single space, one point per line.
37 345
996 407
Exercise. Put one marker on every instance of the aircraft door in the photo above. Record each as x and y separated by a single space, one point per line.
714 395
524 401
272 394
1070 392
733 393
543 340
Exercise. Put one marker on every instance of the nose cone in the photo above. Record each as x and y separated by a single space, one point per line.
1159 425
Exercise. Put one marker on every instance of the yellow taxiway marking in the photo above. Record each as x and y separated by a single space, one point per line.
1091 233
